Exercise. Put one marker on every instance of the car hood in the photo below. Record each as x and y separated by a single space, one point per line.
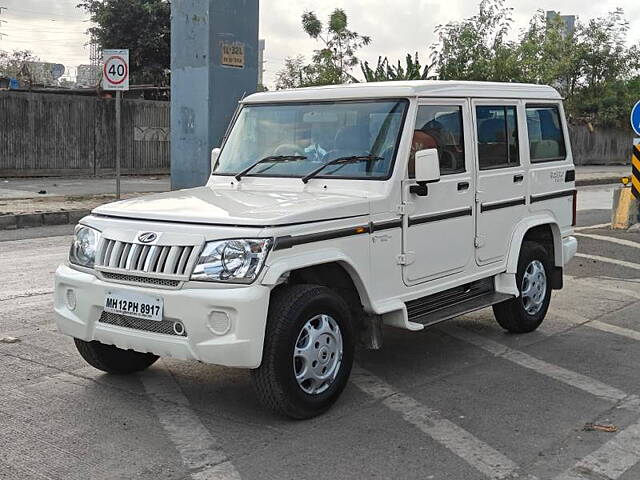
231 206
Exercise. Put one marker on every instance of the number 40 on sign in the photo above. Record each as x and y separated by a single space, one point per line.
115 70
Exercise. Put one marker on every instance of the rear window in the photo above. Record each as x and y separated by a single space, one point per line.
546 139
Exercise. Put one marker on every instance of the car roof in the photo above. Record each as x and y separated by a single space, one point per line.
412 88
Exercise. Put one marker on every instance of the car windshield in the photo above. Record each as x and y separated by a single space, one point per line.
309 135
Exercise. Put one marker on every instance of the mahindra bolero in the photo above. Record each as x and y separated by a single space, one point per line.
330 215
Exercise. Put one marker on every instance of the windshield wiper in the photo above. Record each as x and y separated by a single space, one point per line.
341 160
270 158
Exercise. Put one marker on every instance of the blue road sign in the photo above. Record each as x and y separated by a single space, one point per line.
635 119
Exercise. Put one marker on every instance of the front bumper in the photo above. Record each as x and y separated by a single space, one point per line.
245 306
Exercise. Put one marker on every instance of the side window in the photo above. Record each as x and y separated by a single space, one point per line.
497 137
439 126
546 140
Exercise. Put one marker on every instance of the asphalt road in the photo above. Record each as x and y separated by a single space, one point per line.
461 401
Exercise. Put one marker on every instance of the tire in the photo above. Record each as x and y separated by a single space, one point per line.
112 359
286 355
526 312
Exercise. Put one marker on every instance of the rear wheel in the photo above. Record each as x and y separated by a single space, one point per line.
112 359
526 312
308 351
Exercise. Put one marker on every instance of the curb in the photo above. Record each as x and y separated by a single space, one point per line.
585 182
27 220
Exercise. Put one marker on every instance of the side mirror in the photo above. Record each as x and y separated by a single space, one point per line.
427 171
215 153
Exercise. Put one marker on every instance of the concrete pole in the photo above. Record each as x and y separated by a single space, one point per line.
206 81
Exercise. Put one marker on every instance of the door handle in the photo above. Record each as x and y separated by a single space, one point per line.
463 186
518 178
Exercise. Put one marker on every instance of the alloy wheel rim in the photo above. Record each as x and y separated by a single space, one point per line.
317 354
534 287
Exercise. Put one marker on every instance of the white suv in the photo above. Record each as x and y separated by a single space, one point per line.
329 213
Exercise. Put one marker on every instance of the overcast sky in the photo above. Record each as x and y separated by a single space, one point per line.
54 29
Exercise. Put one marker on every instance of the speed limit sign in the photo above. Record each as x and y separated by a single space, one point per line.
115 69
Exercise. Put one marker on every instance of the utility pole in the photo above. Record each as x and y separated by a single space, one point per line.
95 59
261 44
118 140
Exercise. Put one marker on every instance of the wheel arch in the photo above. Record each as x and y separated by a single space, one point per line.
329 267
543 229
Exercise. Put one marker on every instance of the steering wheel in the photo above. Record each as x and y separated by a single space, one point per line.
288 149
337 153
447 158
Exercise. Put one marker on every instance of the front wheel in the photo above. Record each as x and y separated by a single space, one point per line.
526 312
308 351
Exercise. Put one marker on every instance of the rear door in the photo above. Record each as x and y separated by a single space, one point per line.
438 233
501 178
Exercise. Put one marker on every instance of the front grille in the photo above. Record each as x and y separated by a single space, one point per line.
159 282
173 260
164 327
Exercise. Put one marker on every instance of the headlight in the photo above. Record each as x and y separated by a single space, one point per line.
237 261
84 246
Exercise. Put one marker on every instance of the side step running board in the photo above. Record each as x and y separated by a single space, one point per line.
460 308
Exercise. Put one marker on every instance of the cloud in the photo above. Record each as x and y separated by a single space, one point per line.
53 30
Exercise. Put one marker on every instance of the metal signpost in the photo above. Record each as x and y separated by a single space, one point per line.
115 76
635 158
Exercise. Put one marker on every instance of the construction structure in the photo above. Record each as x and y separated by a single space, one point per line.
261 45
214 63
2 21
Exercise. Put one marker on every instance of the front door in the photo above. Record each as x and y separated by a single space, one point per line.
438 227
501 179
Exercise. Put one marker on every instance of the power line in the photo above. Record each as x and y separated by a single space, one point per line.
48 37
40 14
49 30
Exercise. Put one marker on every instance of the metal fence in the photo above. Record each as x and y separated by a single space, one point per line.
53 134
601 146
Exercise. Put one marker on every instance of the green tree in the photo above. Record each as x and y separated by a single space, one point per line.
333 62
476 48
590 66
142 26
11 63
545 53
384 71
295 74
605 89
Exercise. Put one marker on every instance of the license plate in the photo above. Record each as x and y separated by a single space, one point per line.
134 305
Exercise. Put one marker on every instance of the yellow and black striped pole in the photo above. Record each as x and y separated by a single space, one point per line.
635 171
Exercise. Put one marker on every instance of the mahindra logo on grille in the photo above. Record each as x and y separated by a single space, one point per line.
147 237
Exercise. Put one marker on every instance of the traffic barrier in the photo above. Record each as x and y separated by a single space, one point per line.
635 172
625 209
626 199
